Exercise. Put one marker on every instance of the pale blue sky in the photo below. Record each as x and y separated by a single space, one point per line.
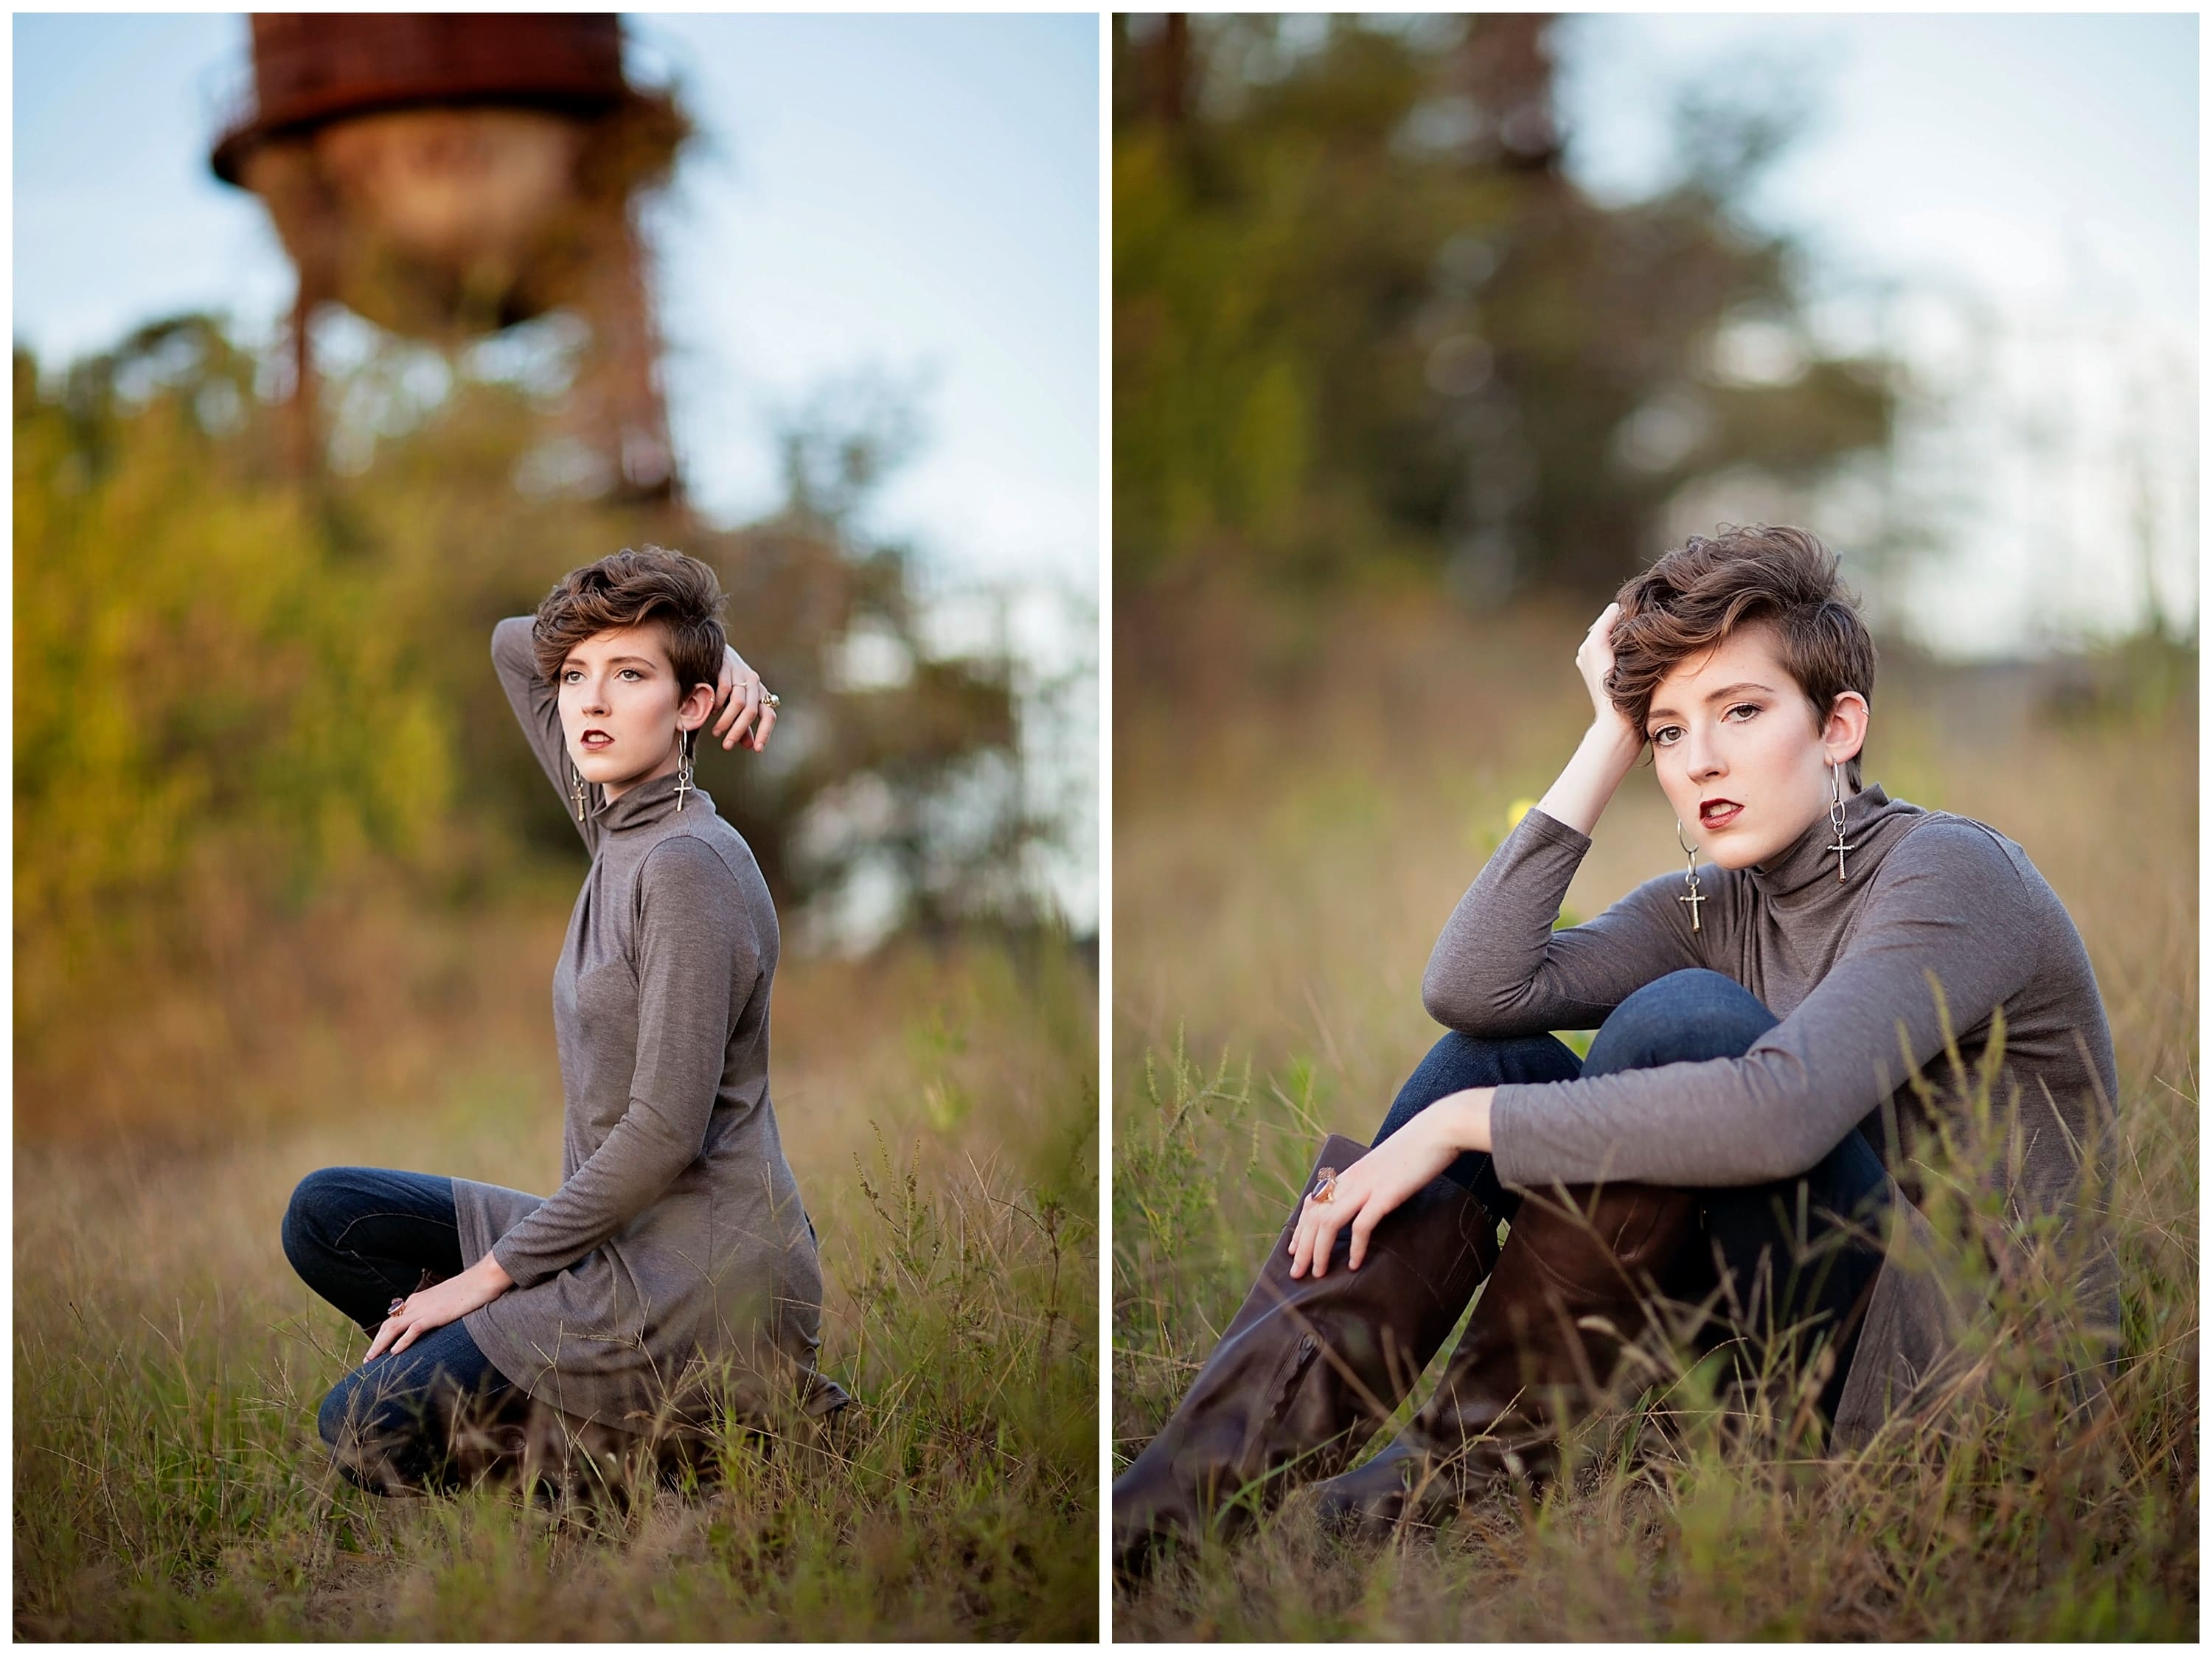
912 194
1964 147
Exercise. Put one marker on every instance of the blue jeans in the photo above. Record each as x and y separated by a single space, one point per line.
1798 1254
359 1237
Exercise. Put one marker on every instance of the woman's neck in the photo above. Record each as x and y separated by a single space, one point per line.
614 791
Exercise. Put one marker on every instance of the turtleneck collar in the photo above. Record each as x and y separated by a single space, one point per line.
649 801
1871 819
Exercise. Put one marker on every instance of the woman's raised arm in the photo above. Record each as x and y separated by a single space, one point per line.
537 706
1498 969
1607 749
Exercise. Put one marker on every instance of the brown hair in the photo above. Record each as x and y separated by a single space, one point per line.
625 588
1698 594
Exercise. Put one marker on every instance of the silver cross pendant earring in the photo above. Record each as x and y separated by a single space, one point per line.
1836 819
1689 876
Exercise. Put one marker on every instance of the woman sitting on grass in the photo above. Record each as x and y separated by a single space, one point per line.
674 1272
1762 1021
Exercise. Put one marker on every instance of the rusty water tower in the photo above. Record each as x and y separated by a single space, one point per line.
445 175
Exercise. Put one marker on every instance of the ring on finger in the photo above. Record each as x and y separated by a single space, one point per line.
1325 1190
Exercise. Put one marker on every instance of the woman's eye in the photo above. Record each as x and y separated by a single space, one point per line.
1745 707
629 672
571 676
1665 734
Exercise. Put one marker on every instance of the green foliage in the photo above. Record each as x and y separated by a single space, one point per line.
1346 340
302 665
193 668
240 695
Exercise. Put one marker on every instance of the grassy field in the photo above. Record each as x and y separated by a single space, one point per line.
939 1108
1298 806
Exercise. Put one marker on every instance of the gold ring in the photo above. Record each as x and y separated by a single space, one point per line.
769 697
1325 1186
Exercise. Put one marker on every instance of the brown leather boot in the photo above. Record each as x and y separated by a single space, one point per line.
1309 1367
1569 1291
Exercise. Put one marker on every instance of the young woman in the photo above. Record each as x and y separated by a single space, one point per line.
674 1270
1762 1021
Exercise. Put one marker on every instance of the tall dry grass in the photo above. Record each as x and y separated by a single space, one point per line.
1296 812
939 1108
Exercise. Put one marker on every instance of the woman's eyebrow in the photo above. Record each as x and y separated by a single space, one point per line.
1725 691
612 661
1736 689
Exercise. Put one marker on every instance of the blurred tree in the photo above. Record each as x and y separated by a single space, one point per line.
235 693
1364 319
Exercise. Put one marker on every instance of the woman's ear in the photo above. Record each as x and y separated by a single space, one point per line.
1845 732
691 713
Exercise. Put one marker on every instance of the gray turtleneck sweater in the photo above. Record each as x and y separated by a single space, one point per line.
676 1240
1847 967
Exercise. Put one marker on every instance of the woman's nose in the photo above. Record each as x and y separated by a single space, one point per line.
1705 758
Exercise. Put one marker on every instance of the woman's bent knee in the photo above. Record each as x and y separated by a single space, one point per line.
1458 1061
323 1204
301 1230
1684 1017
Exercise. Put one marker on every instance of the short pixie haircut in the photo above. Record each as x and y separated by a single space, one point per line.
1698 594
628 587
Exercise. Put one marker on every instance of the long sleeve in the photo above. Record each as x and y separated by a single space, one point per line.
1947 901
536 709
1500 969
699 960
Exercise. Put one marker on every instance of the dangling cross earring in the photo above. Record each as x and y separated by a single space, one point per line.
1689 876
577 789
684 741
1836 819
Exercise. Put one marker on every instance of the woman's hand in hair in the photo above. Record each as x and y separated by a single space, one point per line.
1387 1175
1608 747
1594 660
439 1304
745 715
